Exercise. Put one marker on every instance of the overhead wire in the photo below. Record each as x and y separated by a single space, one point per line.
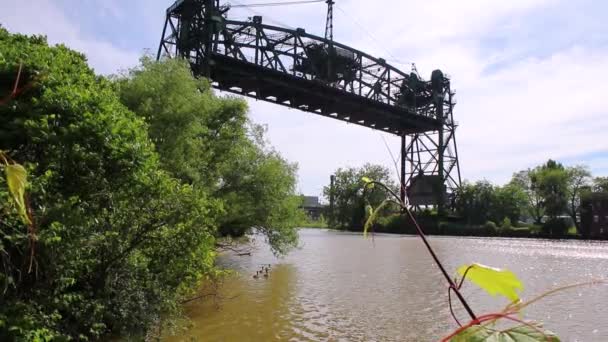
266 17
390 152
370 35
393 59
283 3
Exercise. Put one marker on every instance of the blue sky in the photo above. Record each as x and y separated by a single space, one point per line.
530 75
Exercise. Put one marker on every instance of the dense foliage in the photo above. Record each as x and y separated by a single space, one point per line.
545 200
348 208
481 202
208 142
124 206
548 194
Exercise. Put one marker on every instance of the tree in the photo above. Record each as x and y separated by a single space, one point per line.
600 184
511 202
535 204
552 182
116 241
476 201
196 133
258 191
207 141
578 180
347 193
482 201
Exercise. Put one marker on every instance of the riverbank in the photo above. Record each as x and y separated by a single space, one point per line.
397 224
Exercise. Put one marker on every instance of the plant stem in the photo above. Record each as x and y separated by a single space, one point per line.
445 273
428 247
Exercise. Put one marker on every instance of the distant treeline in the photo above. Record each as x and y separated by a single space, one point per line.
543 201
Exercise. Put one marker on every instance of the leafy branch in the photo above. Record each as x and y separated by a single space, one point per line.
16 179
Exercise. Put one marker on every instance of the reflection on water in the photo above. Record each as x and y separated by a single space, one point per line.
342 287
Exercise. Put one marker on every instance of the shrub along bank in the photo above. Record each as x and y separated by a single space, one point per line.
131 180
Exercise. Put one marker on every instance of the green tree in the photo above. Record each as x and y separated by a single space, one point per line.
208 142
480 202
347 193
475 202
116 242
258 192
526 180
196 133
578 180
600 184
552 182
511 202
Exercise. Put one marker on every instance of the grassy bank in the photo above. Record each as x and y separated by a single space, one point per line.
310 223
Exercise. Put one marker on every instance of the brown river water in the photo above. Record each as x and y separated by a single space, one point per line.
339 286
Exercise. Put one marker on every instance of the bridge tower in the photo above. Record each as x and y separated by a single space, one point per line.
430 168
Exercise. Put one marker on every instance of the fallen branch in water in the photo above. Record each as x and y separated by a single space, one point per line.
215 296
239 248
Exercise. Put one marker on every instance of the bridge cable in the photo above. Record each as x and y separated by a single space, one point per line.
284 3
266 17
390 152
370 35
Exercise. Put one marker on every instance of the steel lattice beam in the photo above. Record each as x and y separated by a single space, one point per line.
281 66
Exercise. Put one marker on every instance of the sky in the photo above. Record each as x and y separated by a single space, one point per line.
529 75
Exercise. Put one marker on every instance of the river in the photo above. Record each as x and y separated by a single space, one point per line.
339 286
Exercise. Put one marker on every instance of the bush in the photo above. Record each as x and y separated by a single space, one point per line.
490 226
556 227
118 241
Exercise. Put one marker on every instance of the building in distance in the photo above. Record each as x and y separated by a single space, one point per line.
312 207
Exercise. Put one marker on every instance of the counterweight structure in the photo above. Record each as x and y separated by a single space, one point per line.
318 75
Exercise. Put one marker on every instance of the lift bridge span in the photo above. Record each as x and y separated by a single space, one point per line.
293 68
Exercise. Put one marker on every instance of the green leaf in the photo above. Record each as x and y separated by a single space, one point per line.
523 333
493 280
367 181
371 215
16 177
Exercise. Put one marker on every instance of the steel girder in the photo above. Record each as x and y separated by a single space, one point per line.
276 64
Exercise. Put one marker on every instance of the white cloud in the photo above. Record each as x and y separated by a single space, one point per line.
45 17
536 109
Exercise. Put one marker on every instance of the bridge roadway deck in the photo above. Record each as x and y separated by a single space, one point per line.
249 79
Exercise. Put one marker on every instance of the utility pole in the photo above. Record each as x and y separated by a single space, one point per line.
332 180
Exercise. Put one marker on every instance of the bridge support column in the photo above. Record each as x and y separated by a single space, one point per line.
403 159
440 159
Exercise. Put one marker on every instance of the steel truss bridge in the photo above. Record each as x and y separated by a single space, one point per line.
299 70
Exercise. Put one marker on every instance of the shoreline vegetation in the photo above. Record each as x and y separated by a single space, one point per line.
128 188
489 230
547 201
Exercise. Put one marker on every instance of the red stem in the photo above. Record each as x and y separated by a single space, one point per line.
429 248
17 80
